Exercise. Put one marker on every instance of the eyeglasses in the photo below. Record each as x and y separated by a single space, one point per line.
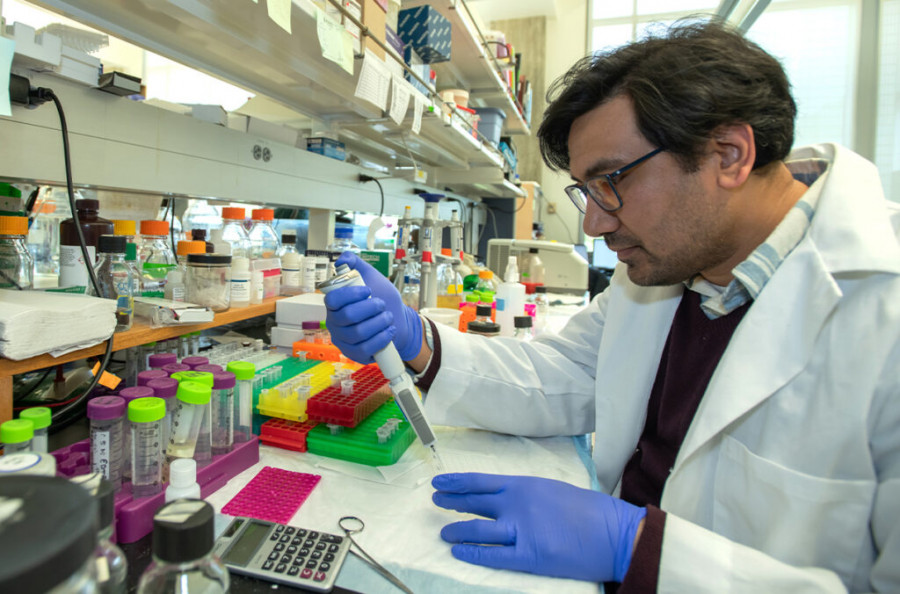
602 189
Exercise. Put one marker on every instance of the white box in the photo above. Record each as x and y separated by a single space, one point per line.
214 114
308 307
286 337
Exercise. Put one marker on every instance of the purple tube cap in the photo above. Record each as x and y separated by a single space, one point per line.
151 374
104 408
165 387
194 362
158 360
175 368
135 392
223 380
211 368
310 325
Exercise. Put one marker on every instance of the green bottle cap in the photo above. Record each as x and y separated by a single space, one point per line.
322 325
242 370
11 191
146 410
131 252
39 415
194 392
472 298
150 344
16 431
201 377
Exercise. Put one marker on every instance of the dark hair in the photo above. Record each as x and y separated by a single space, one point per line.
684 85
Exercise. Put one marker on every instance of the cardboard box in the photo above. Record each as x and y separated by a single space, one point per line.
326 147
375 18
381 260
427 31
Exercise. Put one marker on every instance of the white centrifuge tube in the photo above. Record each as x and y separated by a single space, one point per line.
243 412
388 359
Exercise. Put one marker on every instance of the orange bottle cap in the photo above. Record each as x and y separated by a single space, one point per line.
191 247
154 227
124 228
13 225
234 213
263 214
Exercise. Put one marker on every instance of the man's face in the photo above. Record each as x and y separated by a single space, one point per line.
672 225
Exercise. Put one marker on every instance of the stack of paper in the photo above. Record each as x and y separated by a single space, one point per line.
34 322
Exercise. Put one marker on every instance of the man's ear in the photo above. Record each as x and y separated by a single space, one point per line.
734 151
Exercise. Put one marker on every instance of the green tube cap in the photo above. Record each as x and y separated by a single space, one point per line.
16 431
146 410
39 415
194 392
202 377
242 370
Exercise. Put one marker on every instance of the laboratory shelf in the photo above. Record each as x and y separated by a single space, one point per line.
237 41
361 444
140 333
471 66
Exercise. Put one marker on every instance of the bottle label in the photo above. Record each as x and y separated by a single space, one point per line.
17 462
290 277
178 293
240 291
153 279
101 442
72 271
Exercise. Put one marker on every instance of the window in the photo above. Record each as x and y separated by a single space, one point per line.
818 42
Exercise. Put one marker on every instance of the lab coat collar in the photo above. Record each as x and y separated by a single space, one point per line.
801 295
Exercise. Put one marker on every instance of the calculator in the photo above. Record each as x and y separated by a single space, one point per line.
285 554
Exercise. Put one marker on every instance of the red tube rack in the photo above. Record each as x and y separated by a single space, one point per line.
288 435
370 391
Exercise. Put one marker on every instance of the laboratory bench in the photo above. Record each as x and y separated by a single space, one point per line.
402 525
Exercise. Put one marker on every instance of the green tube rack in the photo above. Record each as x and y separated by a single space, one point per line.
360 444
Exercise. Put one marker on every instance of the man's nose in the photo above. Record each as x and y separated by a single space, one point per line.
599 222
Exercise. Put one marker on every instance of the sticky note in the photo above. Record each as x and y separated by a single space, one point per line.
280 12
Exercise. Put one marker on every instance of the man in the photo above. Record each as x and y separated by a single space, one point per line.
741 375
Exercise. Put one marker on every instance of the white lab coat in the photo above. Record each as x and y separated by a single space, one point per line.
789 476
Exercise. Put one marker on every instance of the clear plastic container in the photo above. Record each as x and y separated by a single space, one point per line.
243 402
343 242
146 416
156 257
187 420
208 280
16 436
223 412
16 263
43 235
410 293
183 559
233 232
542 308
72 270
271 276
165 388
450 287
264 241
486 287
115 278
40 417
130 394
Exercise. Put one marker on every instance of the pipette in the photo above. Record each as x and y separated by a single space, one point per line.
388 359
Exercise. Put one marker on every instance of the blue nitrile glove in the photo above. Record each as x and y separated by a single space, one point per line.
543 526
360 327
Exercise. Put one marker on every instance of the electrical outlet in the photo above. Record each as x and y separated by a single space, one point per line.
551 208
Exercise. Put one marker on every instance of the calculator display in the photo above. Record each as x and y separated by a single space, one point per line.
242 551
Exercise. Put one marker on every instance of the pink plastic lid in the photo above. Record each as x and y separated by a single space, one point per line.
255 500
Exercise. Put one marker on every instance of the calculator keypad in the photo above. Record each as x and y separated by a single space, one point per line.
303 558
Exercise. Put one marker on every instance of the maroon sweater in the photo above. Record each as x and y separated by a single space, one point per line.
691 354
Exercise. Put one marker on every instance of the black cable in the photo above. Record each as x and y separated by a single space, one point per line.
35 384
172 228
367 178
40 95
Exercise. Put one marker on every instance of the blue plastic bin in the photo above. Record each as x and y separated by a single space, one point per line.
491 123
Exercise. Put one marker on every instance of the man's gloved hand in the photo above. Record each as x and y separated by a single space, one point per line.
360 327
543 526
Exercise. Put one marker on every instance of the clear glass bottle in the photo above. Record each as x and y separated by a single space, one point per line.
523 328
410 293
114 276
112 566
536 271
264 242
486 286
43 236
343 242
450 286
16 263
156 257
234 233
288 245
183 559
131 250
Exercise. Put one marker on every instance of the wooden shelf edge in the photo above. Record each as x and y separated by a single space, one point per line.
140 333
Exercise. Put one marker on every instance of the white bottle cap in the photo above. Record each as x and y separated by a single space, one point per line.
183 472
240 264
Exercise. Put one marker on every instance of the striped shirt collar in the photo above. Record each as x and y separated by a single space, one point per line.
751 275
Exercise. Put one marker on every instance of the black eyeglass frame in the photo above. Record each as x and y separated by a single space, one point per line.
577 193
